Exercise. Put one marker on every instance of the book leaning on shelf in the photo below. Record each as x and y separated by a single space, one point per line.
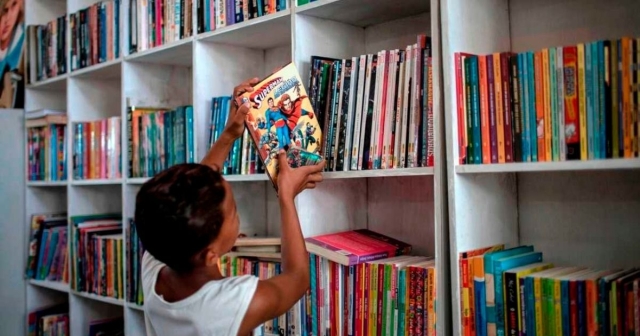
159 138
95 34
97 255
97 149
216 14
155 23
576 102
46 150
375 110
46 50
514 292
47 257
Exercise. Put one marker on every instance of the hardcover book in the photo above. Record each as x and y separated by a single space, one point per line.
281 117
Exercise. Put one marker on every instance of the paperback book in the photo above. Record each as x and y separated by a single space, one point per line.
281 117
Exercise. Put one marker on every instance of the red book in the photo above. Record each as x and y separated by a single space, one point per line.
571 103
484 109
353 247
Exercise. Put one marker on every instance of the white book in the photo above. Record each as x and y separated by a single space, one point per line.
560 80
415 110
348 145
397 141
365 108
357 121
405 107
373 140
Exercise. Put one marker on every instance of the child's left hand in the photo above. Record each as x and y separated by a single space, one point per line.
238 111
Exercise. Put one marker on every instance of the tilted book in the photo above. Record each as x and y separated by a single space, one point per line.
281 117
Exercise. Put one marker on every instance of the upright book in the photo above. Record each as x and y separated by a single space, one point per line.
281 117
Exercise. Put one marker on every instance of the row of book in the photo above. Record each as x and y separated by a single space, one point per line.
365 283
159 139
47 50
46 149
243 157
49 321
47 257
575 102
376 110
514 292
135 250
216 14
157 22
97 255
95 34
97 149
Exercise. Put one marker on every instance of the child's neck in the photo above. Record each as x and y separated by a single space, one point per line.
174 286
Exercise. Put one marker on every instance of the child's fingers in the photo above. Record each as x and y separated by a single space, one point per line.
282 160
315 177
310 185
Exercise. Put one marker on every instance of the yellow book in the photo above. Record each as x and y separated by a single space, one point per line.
583 103
547 106
499 107
626 102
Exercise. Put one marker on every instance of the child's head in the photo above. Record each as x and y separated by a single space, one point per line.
186 216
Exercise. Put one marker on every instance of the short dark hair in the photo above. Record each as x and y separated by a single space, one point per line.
178 213
269 99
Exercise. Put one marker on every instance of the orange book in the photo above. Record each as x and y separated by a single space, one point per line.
499 107
547 105
540 99
626 102
484 110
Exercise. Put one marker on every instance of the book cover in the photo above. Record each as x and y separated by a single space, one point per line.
281 117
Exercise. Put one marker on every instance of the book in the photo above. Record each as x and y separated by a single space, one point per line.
352 247
281 117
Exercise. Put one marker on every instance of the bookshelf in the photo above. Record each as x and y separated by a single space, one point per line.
407 204
578 213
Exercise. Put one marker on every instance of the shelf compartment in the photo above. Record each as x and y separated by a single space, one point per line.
589 165
173 53
96 182
47 183
57 286
363 13
106 70
55 83
266 32
104 299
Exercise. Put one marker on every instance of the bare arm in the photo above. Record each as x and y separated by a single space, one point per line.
233 129
275 296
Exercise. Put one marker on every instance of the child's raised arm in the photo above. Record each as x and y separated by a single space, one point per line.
233 129
277 295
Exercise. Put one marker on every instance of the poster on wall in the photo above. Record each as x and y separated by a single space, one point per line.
12 50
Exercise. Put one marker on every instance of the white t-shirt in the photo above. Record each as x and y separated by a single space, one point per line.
215 309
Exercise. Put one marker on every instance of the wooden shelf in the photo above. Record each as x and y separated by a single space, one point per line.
57 83
47 183
96 182
173 53
109 300
135 306
378 173
363 13
106 70
266 32
57 286
590 165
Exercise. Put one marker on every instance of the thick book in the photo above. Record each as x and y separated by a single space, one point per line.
354 247
281 117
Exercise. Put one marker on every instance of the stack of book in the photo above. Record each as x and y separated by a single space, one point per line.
376 110
97 149
364 283
513 291
47 50
51 320
97 255
159 138
46 139
135 250
95 34
216 14
155 23
243 157
47 258
563 103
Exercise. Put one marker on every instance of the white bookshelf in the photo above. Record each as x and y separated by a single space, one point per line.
582 213
408 204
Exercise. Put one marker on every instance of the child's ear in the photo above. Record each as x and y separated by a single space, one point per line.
211 257
215 168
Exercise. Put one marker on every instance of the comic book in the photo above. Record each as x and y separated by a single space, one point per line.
281 117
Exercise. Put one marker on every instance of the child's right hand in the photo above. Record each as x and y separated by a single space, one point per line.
292 181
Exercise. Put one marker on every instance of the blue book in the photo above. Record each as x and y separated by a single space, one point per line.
588 64
602 101
189 130
553 89
533 135
595 74
499 267
475 108
490 282
524 102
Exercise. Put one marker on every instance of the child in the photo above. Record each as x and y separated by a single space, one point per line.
186 218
